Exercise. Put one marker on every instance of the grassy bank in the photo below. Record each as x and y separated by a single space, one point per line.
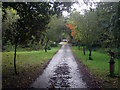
99 66
29 66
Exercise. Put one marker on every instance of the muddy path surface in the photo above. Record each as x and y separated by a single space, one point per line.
61 72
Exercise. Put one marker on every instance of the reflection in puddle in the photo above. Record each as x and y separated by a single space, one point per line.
61 76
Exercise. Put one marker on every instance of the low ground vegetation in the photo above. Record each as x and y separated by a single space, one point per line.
29 66
99 66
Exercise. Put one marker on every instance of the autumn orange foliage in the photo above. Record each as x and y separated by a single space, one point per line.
72 29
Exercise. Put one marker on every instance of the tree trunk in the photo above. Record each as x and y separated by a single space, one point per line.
46 46
15 58
90 54
84 50
111 64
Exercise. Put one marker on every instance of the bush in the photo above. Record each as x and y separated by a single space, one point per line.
74 43
48 47
53 44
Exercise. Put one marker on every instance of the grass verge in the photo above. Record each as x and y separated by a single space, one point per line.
29 66
99 66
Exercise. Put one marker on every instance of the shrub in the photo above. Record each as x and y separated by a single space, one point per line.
48 47
53 44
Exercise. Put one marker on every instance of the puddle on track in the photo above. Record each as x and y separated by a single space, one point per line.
62 72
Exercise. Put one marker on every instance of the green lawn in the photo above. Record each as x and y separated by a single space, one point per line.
99 66
29 65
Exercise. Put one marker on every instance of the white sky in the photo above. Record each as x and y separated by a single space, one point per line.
80 7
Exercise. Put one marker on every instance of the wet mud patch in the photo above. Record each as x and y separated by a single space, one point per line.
61 77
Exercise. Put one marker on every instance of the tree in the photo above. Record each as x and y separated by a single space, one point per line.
9 26
92 31
29 23
55 29
80 26
115 26
115 30
85 30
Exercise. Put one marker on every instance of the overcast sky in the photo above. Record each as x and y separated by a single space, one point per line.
80 7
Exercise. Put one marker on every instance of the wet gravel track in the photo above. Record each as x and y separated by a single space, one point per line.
61 72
